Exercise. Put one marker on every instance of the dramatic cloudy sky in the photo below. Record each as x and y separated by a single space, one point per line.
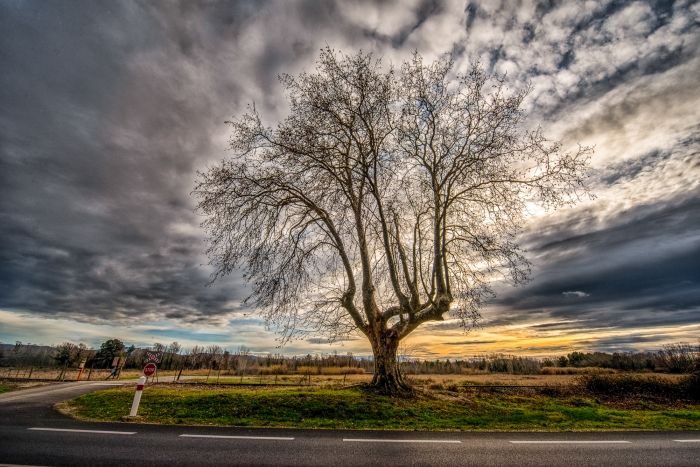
107 109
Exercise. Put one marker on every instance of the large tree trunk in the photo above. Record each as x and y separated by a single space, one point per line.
387 373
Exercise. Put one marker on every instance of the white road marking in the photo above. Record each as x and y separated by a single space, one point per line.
105 432
279 438
687 440
571 442
19 465
377 440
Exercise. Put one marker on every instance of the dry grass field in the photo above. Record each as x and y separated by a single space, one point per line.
419 380
214 377
518 380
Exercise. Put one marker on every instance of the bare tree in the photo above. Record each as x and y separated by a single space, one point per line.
241 359
383 201
197 357
171 351
680 357
407 356
215 354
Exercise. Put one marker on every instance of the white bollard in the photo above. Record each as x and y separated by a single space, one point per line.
137 396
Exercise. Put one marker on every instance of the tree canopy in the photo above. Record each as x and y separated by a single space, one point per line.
109 349
385 199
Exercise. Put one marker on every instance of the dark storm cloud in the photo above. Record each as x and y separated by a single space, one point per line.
561 325
97 162
627 343
619 275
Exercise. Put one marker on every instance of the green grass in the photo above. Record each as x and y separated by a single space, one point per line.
354 408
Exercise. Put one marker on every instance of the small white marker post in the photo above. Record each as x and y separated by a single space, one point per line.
137 396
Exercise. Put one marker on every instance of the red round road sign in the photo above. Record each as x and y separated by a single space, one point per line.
149 369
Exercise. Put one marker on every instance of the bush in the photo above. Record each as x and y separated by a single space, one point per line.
274 370
679 358
552 391
636 386
308 370
692 385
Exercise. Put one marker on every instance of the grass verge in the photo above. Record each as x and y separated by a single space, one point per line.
7 387
353 408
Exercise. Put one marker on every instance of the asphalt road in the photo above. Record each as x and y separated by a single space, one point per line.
32 433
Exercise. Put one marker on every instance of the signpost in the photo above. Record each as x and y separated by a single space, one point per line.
149 369
117 365
154 357
137 395
81 367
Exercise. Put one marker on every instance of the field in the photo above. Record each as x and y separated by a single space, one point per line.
420 380
313 379
438 405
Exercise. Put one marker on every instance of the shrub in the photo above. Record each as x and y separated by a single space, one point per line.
679 358
274 370
551 391
636 386
308 370
692 385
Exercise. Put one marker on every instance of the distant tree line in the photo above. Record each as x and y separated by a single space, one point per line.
673 358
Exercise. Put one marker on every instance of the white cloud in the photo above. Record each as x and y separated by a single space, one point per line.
575 293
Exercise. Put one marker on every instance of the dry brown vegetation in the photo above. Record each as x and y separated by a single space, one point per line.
438 381
569 370
339 375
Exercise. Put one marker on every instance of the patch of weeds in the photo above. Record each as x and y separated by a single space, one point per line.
7 387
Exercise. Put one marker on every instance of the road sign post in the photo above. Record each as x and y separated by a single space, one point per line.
149 369
137 396
81 367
